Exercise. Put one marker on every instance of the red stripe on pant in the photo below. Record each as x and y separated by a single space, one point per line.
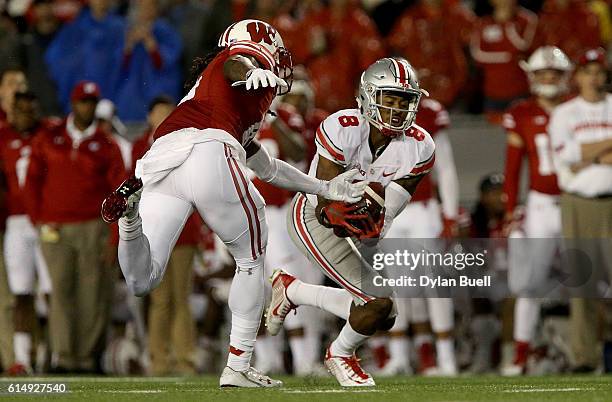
302 231
253 206
241 196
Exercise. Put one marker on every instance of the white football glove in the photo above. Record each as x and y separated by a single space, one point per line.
342 188
258 77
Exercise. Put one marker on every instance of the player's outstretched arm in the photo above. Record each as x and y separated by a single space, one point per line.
244 70
283 175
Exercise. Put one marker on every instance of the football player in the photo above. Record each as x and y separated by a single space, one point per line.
25 264
381 140
198 160
548 70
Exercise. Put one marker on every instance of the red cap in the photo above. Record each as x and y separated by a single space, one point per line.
85 90
595 55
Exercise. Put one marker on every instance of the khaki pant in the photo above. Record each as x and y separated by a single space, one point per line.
587 223
7 356
171 325
82 289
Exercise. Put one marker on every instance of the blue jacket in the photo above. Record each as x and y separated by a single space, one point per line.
86 49
140 80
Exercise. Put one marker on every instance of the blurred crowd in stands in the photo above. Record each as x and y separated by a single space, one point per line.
82 71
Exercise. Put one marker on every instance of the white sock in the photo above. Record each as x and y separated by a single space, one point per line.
398 349
246 300
22 343
333 300
445 350
526 314
347 341
420 339
268 354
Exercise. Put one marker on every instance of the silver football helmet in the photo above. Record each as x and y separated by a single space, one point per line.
389 76
548 58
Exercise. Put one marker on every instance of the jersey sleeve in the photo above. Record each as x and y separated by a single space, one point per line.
261 54
509 120
328 141
427 157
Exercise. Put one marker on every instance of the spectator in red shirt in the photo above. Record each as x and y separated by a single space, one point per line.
340 41
71 169
569 25
171 325
499 42
432 34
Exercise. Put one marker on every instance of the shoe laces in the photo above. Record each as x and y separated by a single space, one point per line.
352 363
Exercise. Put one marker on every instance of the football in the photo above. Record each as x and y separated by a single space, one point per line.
373 200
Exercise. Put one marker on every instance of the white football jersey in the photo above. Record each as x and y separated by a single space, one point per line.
343 139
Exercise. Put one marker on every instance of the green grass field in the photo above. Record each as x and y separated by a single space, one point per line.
481 388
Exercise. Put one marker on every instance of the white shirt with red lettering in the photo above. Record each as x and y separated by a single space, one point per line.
572 124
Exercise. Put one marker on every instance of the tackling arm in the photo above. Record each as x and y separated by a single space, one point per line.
283 175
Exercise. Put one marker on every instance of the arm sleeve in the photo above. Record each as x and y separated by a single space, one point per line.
448 181
282 174
396 199
34 181
566 149
262 55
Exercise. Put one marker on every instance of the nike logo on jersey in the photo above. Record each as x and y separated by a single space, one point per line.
385 174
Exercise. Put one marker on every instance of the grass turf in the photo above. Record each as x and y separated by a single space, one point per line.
479 388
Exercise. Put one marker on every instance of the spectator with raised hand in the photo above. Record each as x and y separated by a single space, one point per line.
498 43
433 35
151 63
88 48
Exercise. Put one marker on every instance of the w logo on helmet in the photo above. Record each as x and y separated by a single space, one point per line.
261 32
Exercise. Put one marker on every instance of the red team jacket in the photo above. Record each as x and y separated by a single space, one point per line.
529 121
433 41
352 43
497 47
574 28
66 184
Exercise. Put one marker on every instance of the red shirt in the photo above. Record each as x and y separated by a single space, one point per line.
351 44
498 47
191 231
15 151
527 119
214 103
68 184
432 39
312 121
432 117
574 28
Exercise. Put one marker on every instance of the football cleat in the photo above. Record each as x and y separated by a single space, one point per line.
347 370
280 305
123 201
251 378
